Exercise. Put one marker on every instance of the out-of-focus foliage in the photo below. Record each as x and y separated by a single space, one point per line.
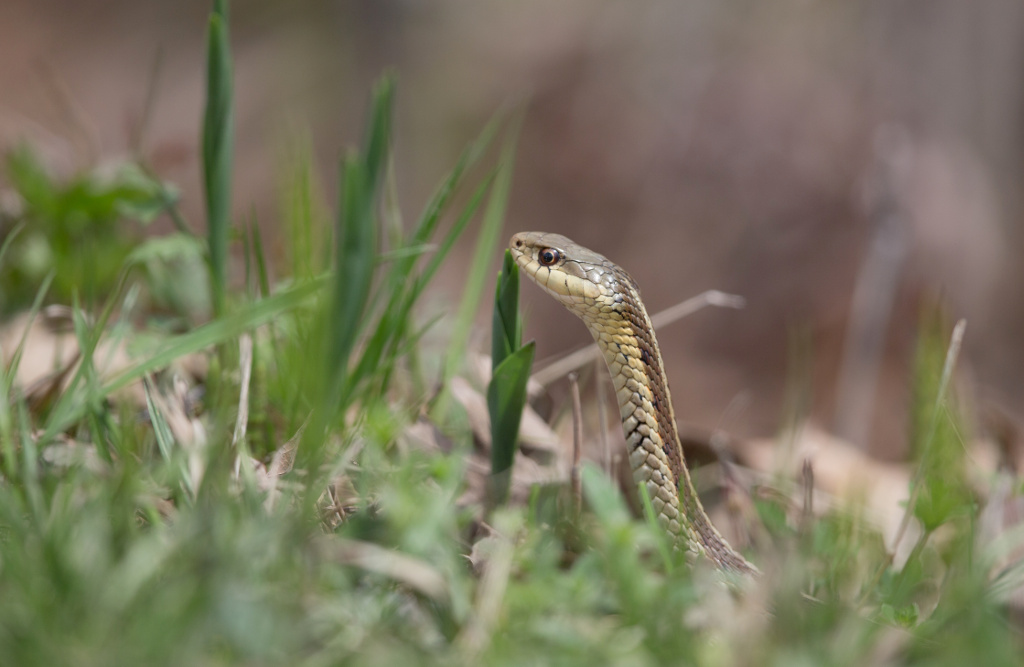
82 229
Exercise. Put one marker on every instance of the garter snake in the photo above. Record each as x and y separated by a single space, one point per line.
608 301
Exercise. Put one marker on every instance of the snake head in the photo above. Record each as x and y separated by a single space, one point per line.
574 275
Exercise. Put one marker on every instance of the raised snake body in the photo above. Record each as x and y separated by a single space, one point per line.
608 301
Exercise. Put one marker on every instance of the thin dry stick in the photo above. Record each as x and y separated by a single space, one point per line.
72 114
242 421
138 133
577 440
808 484
581 357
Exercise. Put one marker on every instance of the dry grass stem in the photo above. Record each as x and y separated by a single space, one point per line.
242 418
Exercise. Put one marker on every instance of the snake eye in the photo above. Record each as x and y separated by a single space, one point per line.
548 256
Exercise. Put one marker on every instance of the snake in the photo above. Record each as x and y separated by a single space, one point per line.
607 299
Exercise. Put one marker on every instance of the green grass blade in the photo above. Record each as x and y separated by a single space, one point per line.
506 398
219 331
378 134
30 466
217 151
506 329
476 278
444 249
261 260
506 394
390 326
442 197
8 374
356 238
936 428
9 239
164 438
305 210
33 312
427 224
70 404
356 248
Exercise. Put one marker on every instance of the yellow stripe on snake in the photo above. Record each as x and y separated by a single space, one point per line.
608 301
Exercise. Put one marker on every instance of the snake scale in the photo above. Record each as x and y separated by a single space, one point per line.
608 301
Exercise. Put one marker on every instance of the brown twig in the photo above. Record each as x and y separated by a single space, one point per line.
807 478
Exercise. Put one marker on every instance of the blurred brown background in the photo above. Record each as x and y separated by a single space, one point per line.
838 164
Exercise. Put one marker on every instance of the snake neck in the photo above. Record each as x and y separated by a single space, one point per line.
627 341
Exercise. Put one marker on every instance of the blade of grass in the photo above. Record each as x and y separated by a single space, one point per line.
261 260
506 398
356 241
390 326
511 366
357 237
33 312
506 330
305 208
392 323
217 151
69 404
219 331
428 222
164 438
400 302
444 249
378 136
9 239
10 372
490 232
30 467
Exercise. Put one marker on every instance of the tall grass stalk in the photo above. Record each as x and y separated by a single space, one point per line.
217 151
